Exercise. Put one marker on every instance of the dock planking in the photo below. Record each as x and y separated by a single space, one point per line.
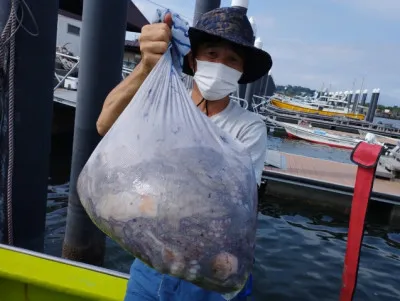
326 173
67 97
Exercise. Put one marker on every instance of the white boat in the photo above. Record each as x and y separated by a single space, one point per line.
306 132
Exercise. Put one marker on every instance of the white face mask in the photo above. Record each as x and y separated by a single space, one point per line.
215 80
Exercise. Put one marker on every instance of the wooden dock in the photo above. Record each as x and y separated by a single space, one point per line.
67 97
293 177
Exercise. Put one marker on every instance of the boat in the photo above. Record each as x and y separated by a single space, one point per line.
327 105
305 131
382 138
28 275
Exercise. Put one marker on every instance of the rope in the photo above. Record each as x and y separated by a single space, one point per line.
7 61
10 169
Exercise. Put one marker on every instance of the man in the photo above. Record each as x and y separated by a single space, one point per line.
222 55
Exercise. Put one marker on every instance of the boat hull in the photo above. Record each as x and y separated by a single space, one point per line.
298 108
32 276
317 136
331 144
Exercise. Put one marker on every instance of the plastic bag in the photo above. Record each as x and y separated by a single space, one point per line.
172 188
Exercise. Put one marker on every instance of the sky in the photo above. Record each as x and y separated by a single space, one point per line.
335 43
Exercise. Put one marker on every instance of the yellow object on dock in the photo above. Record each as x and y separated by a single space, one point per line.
31 276
299 108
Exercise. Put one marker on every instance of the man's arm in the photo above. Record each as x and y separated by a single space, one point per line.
153 41
118 99
255 140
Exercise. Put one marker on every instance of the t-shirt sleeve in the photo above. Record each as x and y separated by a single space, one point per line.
255 140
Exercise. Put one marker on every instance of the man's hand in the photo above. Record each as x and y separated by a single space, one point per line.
154 41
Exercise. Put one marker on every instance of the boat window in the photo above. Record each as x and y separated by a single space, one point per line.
73 29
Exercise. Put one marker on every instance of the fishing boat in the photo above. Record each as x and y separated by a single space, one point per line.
27 275
305 131
327 105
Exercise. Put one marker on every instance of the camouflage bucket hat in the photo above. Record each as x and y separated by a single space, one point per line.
232 25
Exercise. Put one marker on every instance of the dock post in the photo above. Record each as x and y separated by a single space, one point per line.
269 86
4 13
349 100
252 86
263 84
370 106
102 46
203 6
242 90
394 220
374 105
30 103
244 4
355 102
5 6
364 97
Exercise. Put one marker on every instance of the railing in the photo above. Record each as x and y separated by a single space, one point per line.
263 101
240 101
64 58
74 61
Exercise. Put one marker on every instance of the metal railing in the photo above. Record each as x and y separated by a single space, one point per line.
74 62
240 101
64 58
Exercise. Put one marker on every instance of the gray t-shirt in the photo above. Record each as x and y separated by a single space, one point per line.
249 129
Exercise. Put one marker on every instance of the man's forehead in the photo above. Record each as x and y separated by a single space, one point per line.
217 44
225 45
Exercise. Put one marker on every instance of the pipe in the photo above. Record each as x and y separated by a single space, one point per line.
33 86
355 102
5 7
371 104
102 50
251 86
349 99
203 6
374 104
364 97
243 4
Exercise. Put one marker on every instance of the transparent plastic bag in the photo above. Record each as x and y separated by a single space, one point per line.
173 189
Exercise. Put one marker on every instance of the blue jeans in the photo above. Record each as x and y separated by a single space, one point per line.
146 284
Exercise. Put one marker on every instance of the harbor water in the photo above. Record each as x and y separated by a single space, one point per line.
300 249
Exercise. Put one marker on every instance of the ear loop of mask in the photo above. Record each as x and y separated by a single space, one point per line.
203 99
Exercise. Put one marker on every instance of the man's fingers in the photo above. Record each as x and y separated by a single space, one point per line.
168 20
157 32
156 47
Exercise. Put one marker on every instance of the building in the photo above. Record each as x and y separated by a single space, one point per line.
70 23
131 54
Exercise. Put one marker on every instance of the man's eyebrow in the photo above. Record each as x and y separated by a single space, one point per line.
210 44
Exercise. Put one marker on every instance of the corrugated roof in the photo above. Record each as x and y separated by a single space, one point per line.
135 18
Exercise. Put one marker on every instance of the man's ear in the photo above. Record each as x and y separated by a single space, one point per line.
191 61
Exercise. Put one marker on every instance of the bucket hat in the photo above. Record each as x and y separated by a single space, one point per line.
232 25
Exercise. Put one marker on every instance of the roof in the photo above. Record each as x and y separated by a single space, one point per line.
73 9
132 45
